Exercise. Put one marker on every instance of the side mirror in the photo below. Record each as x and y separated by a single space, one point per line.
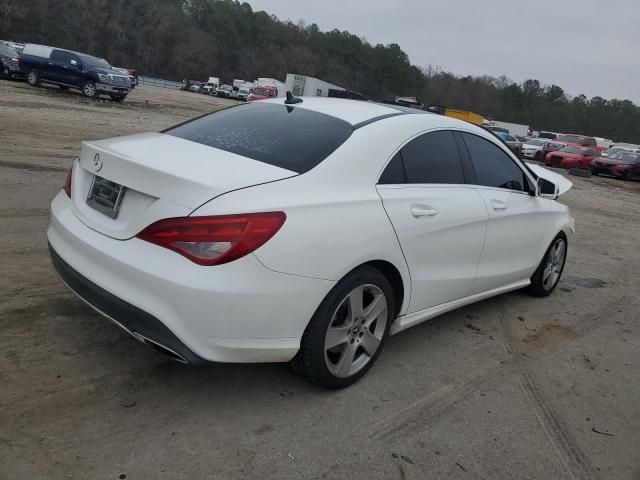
547 189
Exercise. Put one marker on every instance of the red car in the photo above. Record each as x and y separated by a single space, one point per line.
579 141
625 165
262 93
571 157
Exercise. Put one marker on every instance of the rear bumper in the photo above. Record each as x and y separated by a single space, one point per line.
136 322
236 312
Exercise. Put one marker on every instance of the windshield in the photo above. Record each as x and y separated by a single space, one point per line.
94 62
574 150
296 139
243 90
536 143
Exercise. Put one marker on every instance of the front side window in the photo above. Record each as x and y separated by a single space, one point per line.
493 167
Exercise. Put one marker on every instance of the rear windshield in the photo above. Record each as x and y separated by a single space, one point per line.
284 136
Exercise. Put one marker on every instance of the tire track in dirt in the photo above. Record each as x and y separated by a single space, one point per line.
418 414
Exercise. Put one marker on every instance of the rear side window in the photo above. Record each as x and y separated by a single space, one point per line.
494 168
429 158
287 137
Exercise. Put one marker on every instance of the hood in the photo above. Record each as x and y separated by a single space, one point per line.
563 184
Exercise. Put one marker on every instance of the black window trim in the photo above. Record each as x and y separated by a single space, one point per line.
500 144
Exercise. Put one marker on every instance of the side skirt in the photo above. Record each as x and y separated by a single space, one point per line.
406 321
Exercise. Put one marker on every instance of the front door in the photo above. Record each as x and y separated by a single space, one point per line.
518 220
440 222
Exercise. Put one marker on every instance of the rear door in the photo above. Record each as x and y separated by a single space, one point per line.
56 65
440 222
518 219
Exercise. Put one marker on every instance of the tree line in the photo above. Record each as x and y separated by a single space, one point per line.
177 39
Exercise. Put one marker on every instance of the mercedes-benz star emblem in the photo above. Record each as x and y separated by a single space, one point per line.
97 163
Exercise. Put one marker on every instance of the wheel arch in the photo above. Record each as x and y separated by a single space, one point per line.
394 276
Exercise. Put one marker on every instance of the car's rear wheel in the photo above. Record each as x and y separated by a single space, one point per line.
33 78
546 277
89 90
347 332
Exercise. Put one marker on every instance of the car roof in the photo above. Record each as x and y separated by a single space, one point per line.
355 112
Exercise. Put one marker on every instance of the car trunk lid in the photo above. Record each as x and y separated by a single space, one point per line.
162 176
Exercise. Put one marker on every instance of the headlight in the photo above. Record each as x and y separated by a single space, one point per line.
104 78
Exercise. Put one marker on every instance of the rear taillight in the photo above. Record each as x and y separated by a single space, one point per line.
67 182
214 240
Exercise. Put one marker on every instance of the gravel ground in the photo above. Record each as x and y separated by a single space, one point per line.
512 387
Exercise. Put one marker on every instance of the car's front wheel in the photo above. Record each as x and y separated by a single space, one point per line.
548 273
347 331
89 90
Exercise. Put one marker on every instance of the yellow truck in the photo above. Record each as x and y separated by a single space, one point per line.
464 115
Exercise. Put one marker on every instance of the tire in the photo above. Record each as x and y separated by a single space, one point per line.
117 98
594 171
89 90
33 78
548 274
539 157
368 290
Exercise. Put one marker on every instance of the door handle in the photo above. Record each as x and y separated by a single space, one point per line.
498 205
423 211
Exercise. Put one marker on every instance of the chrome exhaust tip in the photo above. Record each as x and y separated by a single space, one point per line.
160 348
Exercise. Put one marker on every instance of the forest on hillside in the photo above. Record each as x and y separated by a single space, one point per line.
195 39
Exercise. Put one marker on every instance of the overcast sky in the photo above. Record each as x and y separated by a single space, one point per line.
585 46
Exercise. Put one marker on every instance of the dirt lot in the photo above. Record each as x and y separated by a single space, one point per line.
513 387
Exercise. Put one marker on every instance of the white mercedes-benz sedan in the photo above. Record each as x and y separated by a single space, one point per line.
303 230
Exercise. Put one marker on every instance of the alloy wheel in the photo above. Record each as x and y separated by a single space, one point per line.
555 262
89 89
356 330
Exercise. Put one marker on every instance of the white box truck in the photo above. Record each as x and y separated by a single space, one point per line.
303 86
211 85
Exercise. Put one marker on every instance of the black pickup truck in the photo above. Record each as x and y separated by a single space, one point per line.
67 69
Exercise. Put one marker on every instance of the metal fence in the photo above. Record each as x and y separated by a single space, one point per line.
158 82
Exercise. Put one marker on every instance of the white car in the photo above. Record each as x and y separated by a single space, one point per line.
533 148
309 231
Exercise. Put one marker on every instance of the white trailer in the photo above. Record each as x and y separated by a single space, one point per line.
303 86
272 82
211 85
514 128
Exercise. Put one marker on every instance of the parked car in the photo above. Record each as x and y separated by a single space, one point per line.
617 148
514 144
311 242
495 129
580 141
67 69
549 135
533 148
243 94
262 93
572 157
625 165
9 66
224 91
